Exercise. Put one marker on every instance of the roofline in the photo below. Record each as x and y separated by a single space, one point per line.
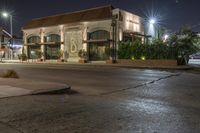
131 13
64 24
75 12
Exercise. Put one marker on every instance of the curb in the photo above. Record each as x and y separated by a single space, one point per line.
51 91
133 67
112 65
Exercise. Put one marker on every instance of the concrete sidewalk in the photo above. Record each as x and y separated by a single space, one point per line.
103 64
18 87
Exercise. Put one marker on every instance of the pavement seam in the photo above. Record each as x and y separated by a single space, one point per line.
11 127
140 85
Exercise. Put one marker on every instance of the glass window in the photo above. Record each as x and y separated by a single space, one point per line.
52 38
100 34
33 39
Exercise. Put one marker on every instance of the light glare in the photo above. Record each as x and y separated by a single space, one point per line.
166 37
5 14
152 21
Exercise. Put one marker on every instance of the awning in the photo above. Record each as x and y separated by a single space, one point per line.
96 41
137 34
45 43
28 44
51 43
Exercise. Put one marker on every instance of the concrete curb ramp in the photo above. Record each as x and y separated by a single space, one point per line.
20 87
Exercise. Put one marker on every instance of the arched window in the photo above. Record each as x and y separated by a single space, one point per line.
52 38
99 34
33 39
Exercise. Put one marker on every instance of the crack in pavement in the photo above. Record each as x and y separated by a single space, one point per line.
140 85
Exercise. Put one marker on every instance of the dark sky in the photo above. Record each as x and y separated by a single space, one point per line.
174 13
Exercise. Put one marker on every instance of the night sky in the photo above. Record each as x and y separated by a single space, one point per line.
173 13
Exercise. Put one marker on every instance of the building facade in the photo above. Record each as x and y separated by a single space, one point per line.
94 30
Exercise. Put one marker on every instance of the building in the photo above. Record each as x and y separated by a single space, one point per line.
9 50
5 48
94 30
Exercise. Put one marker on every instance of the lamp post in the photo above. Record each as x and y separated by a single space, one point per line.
152 27
114 32
6 15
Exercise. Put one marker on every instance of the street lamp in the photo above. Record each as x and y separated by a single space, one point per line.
152 21
166 36
6 15
151 25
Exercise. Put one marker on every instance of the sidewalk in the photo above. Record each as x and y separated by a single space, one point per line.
18 87
103 64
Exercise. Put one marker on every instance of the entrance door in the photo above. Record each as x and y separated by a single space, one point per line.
97 52
99 48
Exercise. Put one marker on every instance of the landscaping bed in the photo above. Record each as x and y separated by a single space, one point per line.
151 62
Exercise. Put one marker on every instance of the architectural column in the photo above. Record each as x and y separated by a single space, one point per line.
62 46
85 38
25 47
42 43
114 38
43 51
25 50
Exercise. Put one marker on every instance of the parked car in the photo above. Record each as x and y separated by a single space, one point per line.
195 56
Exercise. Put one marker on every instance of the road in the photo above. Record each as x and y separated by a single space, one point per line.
108 100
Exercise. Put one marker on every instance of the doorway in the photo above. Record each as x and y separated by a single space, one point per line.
52 51
98 51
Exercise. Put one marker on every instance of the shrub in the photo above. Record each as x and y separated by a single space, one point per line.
60 53
22 57
10 74
136 50
82 53
39 54
185 42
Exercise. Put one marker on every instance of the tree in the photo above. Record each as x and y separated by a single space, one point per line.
185 43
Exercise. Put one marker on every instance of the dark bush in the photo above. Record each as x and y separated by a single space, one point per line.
10 74
136 50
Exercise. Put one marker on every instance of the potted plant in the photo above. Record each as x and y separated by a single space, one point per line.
109 53
83 56
22 57
39 55
60 56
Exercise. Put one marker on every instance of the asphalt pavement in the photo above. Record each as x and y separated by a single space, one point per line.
108 100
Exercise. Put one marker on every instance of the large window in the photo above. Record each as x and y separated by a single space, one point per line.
33 39
99 34
99 50
52 38
52 51
131 37
32 51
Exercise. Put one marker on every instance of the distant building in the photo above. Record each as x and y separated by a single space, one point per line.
93 30
9 50
4 44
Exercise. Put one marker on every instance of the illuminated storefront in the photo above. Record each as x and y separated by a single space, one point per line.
94 30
